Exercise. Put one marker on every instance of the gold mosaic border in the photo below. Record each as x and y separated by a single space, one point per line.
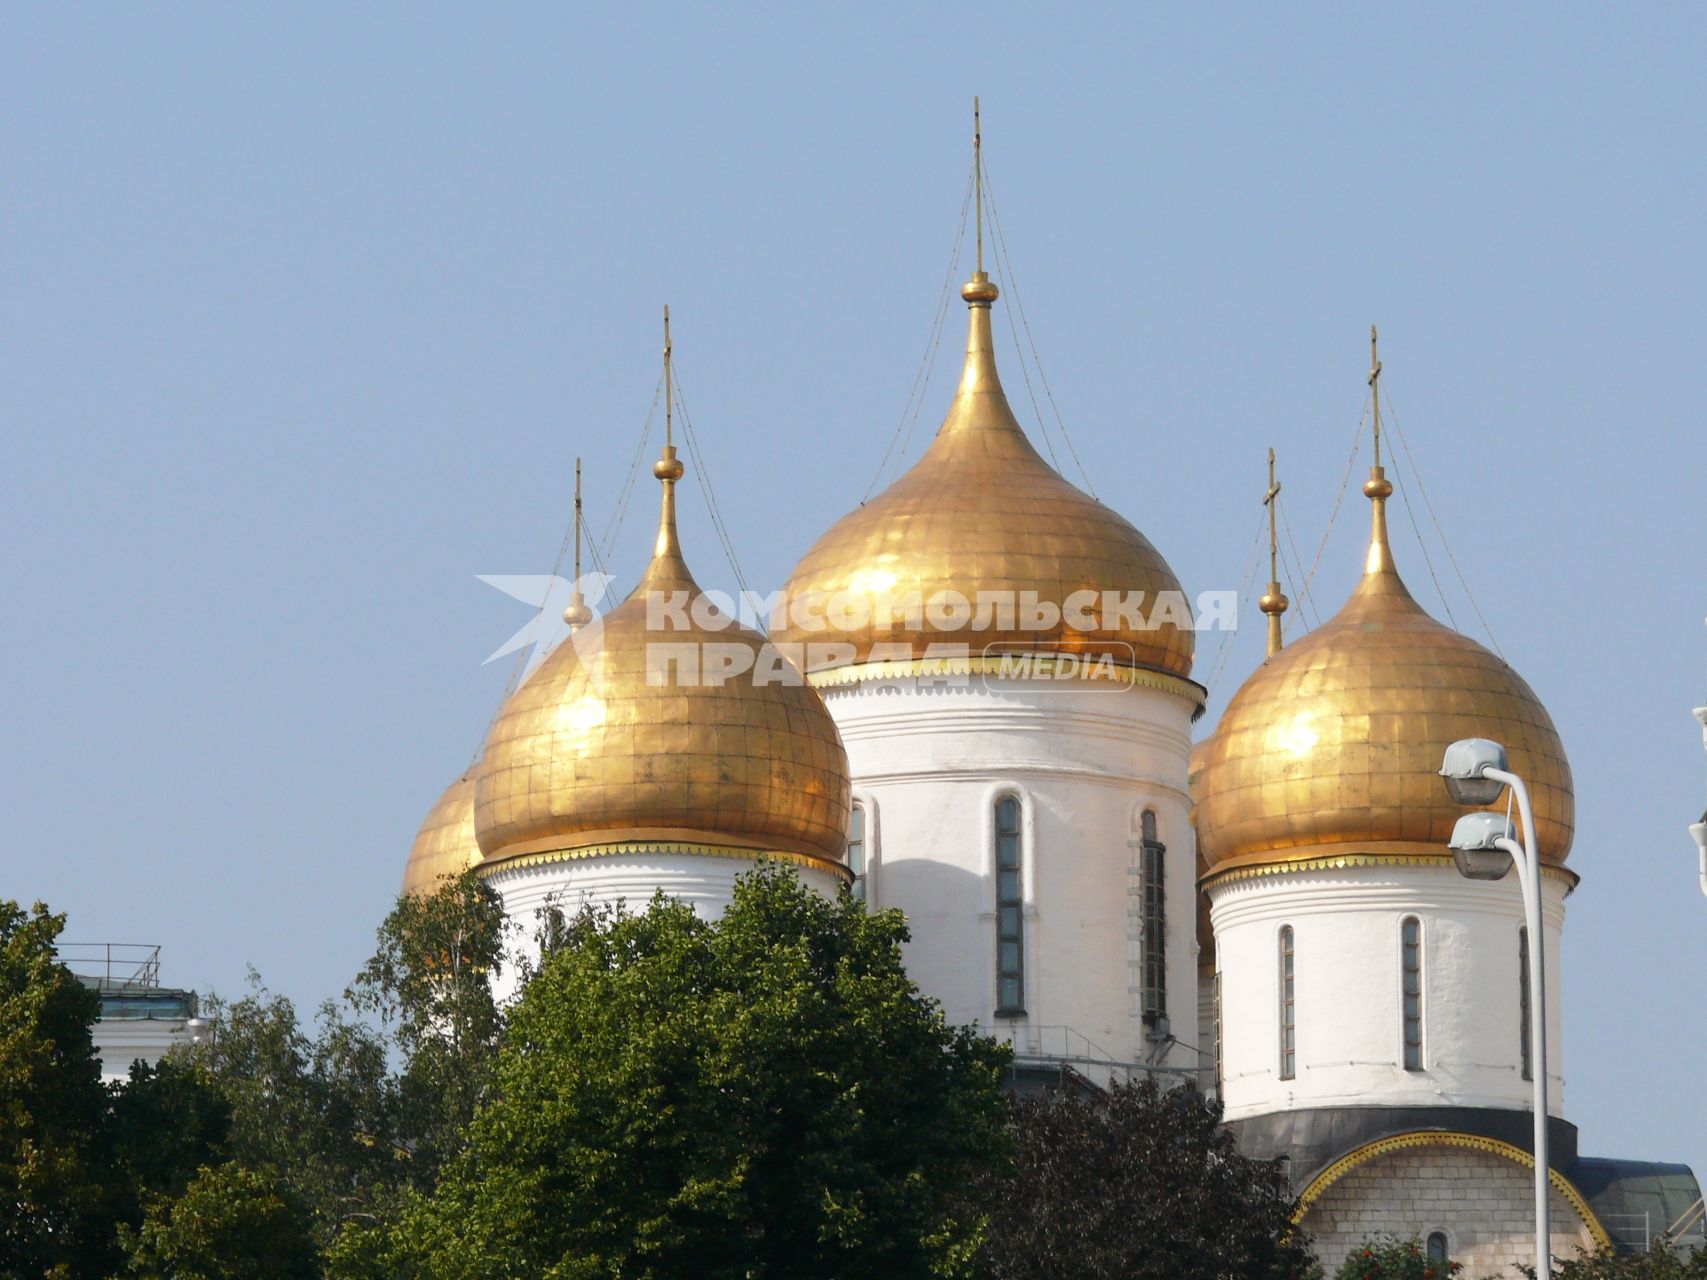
991 664
632 847
1424 1138
1336 861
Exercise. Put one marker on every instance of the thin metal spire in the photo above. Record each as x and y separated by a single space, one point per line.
978 177
577 615
667 567
1267 501
1378 488
1273 603
1375 390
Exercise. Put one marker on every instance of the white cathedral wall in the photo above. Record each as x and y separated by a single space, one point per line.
1348 1008
705 883
930 760
121 1041
1482 1201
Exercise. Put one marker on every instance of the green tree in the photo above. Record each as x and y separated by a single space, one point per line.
314 1112
168 1121
57 1199
767 1096
228 1224
1141 1184
1389 1258
430 984
1663 1262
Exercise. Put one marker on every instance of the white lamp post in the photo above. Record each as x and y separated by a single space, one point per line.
1485 847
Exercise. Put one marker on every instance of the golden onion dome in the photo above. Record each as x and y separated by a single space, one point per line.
1334 745
445 845
681 731
981 514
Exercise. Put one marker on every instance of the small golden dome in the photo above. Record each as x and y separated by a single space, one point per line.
1335 743
613 741
981 512
445 845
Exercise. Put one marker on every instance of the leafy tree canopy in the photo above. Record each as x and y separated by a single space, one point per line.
372 1096
313 1111
766 1096
228 1224
430 983
56 1194
1663 1262
1141 1184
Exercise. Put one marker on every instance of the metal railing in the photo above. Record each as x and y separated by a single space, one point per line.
1060 1045
1636 1232
113 966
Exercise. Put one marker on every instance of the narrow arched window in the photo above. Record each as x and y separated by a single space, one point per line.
856 851
1437 1246
1288 1004
1410 957
1010 912
1220 1059
1153 871
1523 1041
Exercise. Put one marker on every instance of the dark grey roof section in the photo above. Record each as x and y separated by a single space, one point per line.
1638 1200
1029 1079
1312 1138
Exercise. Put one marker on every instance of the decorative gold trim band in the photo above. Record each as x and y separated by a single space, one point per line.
1332 862
1426 1138
631 848
1092 667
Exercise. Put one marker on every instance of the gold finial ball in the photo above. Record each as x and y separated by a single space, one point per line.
980 289
668 468
1378 485
1273 602
577 615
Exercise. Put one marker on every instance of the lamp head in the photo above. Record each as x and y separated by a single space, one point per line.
1699 831
1466 761
1476 848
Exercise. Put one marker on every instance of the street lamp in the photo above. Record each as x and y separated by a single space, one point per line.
1485 847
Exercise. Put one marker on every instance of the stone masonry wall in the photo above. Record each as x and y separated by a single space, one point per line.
1484 1203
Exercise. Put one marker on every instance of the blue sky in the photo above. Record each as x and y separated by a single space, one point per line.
305 314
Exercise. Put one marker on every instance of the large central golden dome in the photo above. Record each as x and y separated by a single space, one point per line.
627 735
982 514
1334 745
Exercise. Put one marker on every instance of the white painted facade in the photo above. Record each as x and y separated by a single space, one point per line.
121 1041
1348 1005
930 758
705 882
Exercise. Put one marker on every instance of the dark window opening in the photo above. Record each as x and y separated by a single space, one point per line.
1154 871
1411 992
1010 911
1288 1005
1524 1045
856 851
